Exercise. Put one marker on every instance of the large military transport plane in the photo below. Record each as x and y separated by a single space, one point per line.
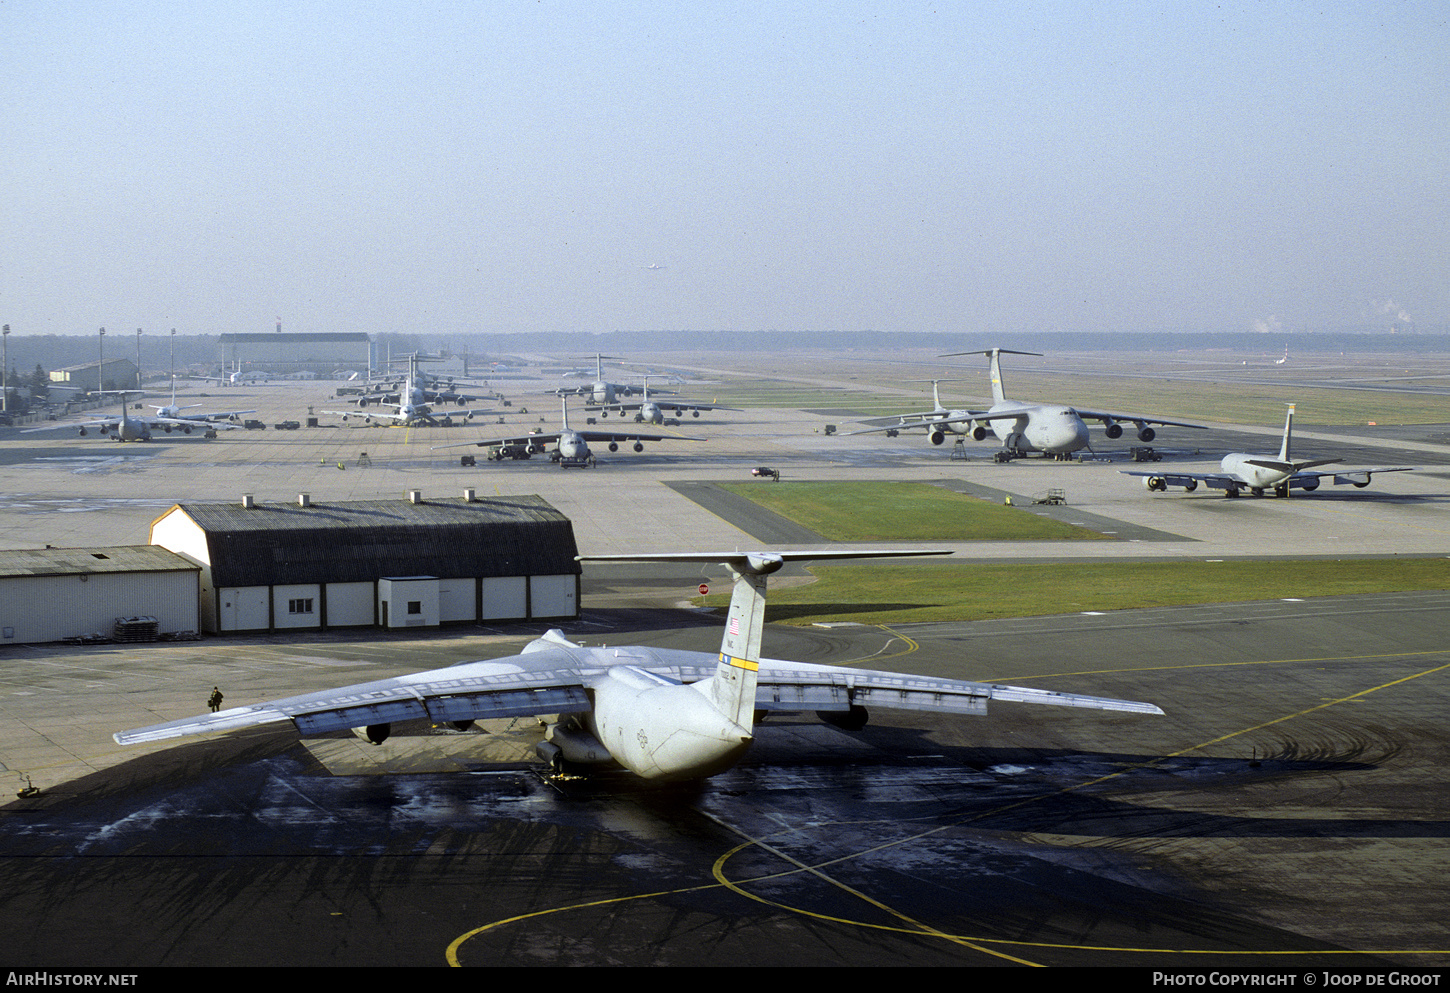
1257 473
128 428
1050 428
571 448
656 411
663 714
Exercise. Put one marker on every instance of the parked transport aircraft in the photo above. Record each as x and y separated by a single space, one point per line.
1257 473
663 714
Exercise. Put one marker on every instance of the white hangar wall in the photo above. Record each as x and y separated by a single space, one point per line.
57 593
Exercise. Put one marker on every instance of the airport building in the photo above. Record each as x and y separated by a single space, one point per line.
112 374
284 354
385 563
51 594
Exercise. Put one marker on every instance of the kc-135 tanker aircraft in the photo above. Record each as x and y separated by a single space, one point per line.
662 714
1257 473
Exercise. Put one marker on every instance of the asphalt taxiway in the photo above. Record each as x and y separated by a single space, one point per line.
1290 809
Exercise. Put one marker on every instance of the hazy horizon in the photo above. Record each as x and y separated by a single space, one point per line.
458 168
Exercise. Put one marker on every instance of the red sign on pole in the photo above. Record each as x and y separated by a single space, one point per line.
704 588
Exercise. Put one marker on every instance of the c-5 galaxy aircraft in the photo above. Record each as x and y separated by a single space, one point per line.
1050 428
647 411
571 448
662 714
1257 473
599 392
411 409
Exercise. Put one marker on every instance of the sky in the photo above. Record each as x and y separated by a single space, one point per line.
380 165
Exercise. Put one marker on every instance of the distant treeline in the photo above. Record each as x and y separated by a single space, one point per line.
59 351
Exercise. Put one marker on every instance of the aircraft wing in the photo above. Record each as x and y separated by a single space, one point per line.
624 434
542 438
1105 416
556 680
220 415
540 682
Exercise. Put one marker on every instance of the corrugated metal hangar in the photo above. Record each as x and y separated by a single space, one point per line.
390 563
50 594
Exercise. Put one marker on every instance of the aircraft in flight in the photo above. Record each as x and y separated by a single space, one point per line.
128 428
662 714
571 448
647 411
1257 473
1050 428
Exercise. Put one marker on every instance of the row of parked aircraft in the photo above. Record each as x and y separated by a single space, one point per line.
1058 430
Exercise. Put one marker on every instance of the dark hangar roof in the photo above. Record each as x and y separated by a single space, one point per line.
360 541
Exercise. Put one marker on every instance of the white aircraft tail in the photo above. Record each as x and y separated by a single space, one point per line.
1288 430
999 391
732 687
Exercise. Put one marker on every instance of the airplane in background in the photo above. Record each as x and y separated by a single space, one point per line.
174 411
663 714
1257 473
411 409
128 428
1050 428
939 421
647 411
599 392
571 448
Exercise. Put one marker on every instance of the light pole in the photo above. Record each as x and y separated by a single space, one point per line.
5 339
173 356
138 361
100 365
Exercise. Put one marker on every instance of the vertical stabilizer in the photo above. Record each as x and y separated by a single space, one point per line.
1288 429
733 687
936 394
999 392
564 405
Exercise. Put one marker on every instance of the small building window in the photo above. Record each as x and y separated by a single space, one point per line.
300 606
415 606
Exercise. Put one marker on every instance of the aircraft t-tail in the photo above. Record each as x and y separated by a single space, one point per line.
571 448
1053 429
663 714
1257 473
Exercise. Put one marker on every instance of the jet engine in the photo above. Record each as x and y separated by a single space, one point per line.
638 447
614 446
83 432
850 720
937 436
979 432
374 734
1145 433
1113 429
1155 484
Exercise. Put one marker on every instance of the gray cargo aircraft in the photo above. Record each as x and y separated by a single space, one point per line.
1257 473
648 411
600 392
571 448
1050 428
128 428
662 714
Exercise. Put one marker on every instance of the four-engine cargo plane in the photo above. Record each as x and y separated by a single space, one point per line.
571 448
1050 428
663 714
1257 473
649 410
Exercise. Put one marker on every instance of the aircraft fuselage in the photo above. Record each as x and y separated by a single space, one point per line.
1050 428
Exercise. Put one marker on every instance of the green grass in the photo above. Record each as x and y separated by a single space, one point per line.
868 511
970 591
